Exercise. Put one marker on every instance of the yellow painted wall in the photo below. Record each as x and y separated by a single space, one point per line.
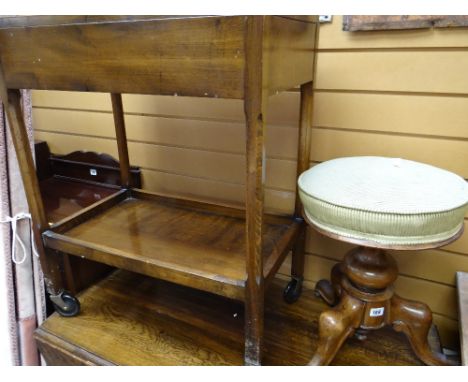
391 93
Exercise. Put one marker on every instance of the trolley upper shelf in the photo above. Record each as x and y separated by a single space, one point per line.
202 56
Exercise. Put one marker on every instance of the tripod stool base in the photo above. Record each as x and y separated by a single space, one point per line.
362 286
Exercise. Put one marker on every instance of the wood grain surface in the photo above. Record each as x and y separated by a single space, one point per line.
177 241
163 324
153 56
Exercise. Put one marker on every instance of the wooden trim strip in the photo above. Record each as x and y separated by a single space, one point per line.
73 354
462 288
226 287
222 209
87 213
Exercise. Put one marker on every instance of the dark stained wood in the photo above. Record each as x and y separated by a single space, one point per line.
254 108
174 242
371 267
121 137
88 212
12 106
372 23
189 56
303 18
64 197
159 323
243 57
42 21
462 289
305 125
41 156
363 287
303 160
192 56
57 352
92 168
67 187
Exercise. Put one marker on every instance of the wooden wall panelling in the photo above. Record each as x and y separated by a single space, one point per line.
282 108
431 265
199 163
444 116
281 140
401 71
450 154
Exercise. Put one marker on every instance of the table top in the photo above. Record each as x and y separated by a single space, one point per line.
40 21
201 56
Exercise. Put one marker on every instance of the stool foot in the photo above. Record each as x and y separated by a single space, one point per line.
335 326
330 291
415 320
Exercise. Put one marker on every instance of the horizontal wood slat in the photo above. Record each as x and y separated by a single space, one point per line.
282 108
393 113
210 165
333 37
281 141
449 154
279 202
431 265
435 72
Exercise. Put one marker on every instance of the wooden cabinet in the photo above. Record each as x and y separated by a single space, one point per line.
226 251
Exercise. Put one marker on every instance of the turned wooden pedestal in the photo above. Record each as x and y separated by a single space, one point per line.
362 296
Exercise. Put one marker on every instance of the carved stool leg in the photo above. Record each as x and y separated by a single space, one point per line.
335 326
415 319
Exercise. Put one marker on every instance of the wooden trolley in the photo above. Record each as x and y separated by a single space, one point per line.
223 250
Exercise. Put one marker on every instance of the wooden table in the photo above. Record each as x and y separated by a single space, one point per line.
231 252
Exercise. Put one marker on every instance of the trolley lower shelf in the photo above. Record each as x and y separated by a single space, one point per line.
190 243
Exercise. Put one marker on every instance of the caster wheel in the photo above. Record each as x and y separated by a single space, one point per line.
325 291
66 304
293 290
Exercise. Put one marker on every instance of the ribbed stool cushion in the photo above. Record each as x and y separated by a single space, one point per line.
389 201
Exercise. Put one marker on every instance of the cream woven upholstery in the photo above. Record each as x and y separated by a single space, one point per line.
388 201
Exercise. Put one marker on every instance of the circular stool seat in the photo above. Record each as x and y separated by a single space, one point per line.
384 202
